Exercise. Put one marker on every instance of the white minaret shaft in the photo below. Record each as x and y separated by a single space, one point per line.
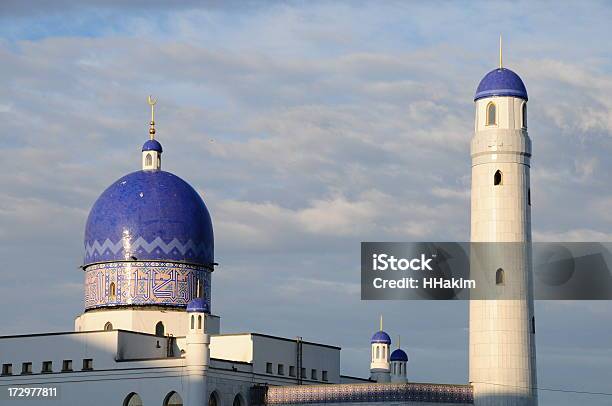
197 357
502 364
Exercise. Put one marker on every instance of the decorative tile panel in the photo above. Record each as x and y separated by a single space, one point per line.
144 283
368 392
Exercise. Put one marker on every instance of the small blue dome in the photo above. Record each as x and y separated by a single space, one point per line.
381 337
398 355
198 305
501 82
152 145
149 215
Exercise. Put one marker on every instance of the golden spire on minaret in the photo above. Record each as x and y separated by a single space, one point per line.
500 51
381 329
152 102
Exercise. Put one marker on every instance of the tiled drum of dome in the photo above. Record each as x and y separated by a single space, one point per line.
144 283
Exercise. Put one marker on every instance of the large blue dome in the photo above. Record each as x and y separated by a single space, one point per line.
501 82
149 215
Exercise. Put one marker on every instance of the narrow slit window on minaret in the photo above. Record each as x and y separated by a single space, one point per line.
491 114
532 324
524 114
149 160
112 290
499 277
497 178
529 196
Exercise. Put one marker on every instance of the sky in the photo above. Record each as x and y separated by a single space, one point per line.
307 127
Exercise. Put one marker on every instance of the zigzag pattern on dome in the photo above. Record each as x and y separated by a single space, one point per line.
156 249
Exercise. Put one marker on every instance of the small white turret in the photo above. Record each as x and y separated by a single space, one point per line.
197 351
152 149
399 362
379 366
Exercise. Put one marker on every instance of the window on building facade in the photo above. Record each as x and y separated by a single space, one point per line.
499 277
67 365
491 114
268 367
291 370
26 368
87 364
324 376
159 329
173 399
313 374
497 178
108 326
281 369
7 369
47 367
133 399
238 401
303 373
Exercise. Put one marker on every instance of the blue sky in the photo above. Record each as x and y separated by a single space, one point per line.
307 127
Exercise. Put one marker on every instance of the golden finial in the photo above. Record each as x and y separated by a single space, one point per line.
500 51
381 328
152 102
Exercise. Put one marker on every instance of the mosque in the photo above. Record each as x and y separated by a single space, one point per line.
148 334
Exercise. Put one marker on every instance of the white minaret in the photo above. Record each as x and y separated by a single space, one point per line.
399 362
502 332
197 352
379 365
152 149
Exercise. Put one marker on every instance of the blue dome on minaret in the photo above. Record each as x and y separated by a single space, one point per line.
501 82
381 337
399 355
152 145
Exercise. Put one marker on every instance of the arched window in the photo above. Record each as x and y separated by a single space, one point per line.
132 400
192 321
499 277
199 322
497 178
213 400
112 290
238 400
524 114
383 353
377 352
149 160
108 326
173 399
532 324
159 329
491 114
